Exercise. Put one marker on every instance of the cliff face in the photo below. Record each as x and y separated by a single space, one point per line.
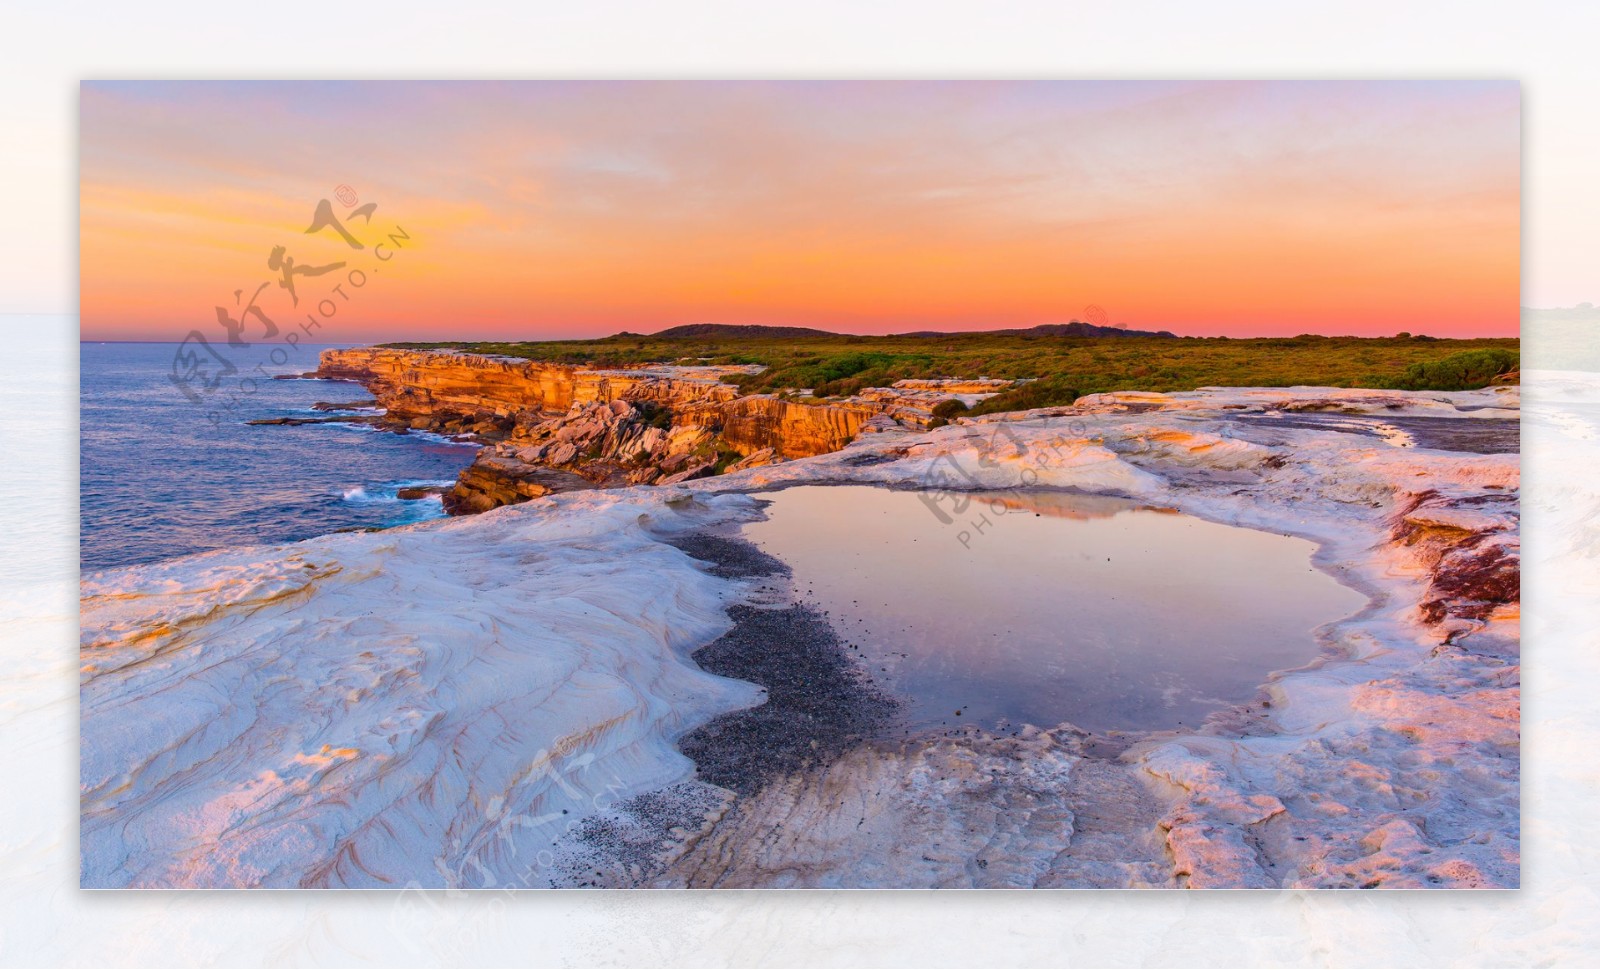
791 429
439 385
443 385
597 427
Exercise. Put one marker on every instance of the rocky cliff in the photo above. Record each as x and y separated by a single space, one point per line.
599 428
791 429
439 389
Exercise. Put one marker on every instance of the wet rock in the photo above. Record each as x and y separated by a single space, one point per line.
331 419
413 493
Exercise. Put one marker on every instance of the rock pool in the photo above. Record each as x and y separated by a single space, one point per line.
1038 607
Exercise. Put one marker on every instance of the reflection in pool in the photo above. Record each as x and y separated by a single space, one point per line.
1075 608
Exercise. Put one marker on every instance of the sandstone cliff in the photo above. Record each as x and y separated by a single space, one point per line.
792 429
601 427
434 389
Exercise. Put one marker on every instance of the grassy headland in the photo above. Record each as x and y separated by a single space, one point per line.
1062 367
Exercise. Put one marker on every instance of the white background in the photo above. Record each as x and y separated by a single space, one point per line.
1553 48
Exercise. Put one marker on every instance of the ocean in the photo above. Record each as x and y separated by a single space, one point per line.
161 476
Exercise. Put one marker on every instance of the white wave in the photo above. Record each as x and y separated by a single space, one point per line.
372 493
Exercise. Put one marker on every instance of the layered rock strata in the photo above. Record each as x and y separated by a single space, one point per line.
660 425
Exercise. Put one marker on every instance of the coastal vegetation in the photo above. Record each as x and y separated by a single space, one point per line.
1060 368
942 412
1046 392
1459 372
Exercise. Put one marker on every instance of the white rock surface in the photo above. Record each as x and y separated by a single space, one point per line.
376 709
422 704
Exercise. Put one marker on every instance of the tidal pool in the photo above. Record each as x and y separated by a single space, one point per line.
1085 609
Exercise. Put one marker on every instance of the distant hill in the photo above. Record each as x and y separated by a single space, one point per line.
1073 329
741 330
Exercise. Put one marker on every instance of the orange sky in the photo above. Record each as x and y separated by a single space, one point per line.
566 209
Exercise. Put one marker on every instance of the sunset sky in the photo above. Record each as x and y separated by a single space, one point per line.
569 209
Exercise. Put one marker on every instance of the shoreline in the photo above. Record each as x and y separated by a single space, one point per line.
1294 796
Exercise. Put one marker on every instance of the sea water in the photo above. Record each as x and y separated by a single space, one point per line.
161 476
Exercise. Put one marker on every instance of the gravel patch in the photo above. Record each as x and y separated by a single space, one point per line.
819 701
730 558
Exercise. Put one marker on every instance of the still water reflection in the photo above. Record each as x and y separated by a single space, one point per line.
1073 608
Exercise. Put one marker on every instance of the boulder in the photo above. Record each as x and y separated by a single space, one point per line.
411 494
495 480
651 440
700 470
755 459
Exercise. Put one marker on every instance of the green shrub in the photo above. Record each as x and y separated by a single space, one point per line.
1465 371
949 409
725 457
1047 392
654 414
849 365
